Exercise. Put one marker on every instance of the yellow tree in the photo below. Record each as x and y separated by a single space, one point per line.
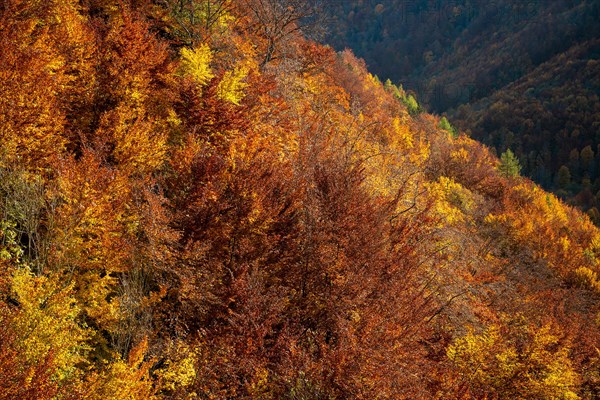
134 76
32 74
90 235
514 360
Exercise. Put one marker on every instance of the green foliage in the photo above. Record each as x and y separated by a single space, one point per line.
461 67
408 100
411 104
509 165
445 125
391 88
11 249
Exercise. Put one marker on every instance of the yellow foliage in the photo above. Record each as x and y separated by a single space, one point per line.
322 94
373 80
452 200
535 199
125 380
401 134
259 386
88 232
565 245
587 278
420 154
92 231
541 221
460 155
139 143
94 289
179 371
231 87
31 75
196 63
47 322
516 361
192 20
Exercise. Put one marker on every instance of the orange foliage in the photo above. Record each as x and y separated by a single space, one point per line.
204 225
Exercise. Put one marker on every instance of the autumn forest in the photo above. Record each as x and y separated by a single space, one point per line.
200 201
513 74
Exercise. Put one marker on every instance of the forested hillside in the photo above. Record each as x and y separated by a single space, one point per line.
515 74
197 201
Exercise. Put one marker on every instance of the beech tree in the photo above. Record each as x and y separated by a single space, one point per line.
187 209
31 75
514 360
276 20
195 20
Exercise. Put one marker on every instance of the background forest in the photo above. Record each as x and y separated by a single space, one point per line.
198 201
519 75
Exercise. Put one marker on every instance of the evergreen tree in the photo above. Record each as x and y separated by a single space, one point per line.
444 124
509 164
411 104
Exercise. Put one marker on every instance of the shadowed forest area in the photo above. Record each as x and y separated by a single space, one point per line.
518 75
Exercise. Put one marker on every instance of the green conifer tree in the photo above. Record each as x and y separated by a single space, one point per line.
509 164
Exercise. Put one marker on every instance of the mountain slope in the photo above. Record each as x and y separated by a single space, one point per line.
192 206
460 51
549 117
474 53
